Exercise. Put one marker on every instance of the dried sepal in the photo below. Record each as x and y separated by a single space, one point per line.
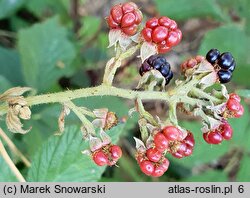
209 123
217 109
86 152
150 142
14 92
105 137
100 113
104 119
140 146
61 119
111 120
208 80
152 129
147 50
204 67
13 122
116 36
152 80
136 38
25 113
95 143
17 109
98 123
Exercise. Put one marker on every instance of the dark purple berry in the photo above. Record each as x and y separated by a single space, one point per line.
169 77
212 55
151 59
165 70
224 76
232 66
225 60
141 71
146 67
158 63
161 59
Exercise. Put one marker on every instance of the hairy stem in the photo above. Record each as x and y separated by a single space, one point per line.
10 163
115 63
87 124
144 114
14 149
202 94
102 90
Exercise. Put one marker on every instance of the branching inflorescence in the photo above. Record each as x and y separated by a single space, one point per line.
194 94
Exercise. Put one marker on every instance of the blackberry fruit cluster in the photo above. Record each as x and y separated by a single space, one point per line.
158 63
163 32
223 132
126 17
226 64
107 155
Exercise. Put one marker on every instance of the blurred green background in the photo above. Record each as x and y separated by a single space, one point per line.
62 44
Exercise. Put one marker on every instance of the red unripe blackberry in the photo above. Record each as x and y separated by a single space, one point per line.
100 158
172 133
162 32
125 17
153 154
161 143
147 167
116 152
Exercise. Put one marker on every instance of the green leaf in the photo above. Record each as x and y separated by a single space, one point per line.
96 53
112 103
243 174
240 8
244 93
230 38
60 158
6 174
184 9
5 84
10 66
90 27
208 176
46 54
45 7
8 7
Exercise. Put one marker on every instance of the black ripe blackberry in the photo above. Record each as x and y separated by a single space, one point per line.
224 62
232 66
158 63
224 76
212 56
